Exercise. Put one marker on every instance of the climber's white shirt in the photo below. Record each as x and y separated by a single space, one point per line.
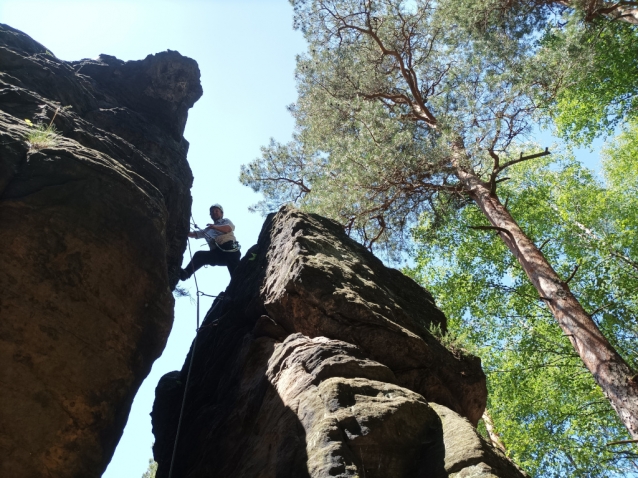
217 236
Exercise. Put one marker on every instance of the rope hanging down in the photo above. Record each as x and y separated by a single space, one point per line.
190 365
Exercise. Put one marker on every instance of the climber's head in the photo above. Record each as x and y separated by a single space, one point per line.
216 211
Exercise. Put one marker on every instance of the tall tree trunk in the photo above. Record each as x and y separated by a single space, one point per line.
611 372
491 431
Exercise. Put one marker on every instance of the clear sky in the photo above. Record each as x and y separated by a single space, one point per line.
246 53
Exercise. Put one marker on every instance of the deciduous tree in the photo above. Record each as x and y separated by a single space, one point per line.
550 415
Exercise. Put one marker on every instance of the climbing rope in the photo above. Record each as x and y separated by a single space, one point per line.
190 253
181 411
190 365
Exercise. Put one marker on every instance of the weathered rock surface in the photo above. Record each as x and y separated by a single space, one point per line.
467 454
353 415
318 362
92 231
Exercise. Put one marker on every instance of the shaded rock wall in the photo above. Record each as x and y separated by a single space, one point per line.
317 361
92 231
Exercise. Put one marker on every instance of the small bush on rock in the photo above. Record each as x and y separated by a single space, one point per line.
41 136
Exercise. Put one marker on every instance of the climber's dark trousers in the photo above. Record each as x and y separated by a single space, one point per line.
215 257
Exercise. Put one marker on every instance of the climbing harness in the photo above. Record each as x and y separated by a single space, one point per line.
190 365
236 247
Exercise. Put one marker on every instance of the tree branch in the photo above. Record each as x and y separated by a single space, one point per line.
523 158
573 274
299 183
620 442
599 309
493 228
544 243
408 74
625 259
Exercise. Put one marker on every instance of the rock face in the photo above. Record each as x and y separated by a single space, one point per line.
93 226
317 361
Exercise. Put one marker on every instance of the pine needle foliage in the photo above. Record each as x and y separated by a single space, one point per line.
366 143
583 55
152 469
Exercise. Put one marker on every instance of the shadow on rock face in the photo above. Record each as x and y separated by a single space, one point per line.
304 407
317 362
234 423
356 425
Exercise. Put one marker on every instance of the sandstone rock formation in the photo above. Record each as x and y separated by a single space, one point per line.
93 226
317 361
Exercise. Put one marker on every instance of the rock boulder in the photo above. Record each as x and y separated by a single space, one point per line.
318 361
93 226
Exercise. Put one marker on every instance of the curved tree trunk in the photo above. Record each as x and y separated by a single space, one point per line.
611 372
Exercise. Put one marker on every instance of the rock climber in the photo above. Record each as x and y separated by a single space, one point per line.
224 248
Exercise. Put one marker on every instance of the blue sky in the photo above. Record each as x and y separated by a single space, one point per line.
246 53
